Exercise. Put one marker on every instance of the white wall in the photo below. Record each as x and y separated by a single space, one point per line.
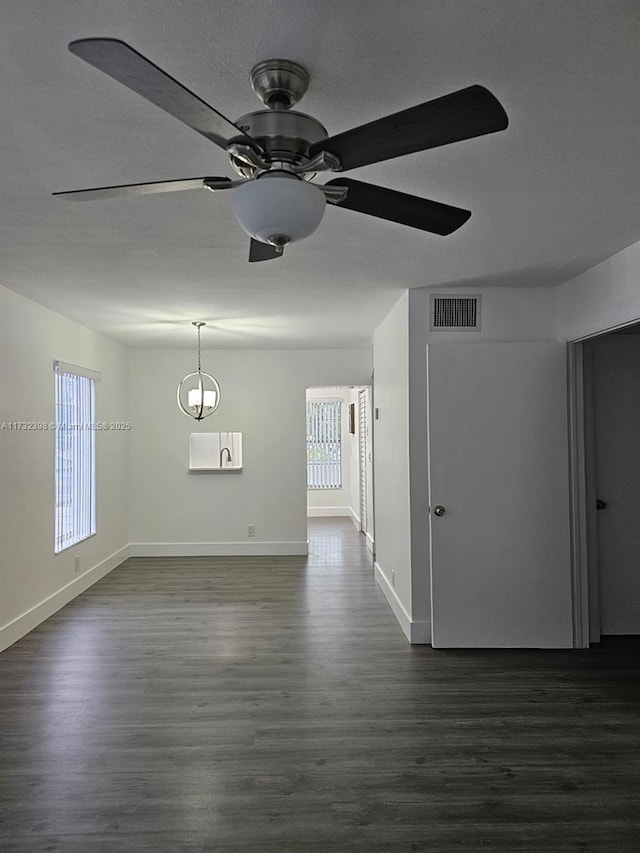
507 314
34 582
602 298
335 501
263 396
391 460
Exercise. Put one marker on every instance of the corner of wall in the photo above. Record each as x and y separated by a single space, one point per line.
27 621
418 632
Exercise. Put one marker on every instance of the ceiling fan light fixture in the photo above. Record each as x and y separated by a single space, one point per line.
278 208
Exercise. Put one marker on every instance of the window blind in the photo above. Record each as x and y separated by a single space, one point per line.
74 457
324 444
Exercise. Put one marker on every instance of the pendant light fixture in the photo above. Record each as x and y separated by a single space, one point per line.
198 393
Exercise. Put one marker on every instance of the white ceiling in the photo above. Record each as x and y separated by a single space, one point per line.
551 196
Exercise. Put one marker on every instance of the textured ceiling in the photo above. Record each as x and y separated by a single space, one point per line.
551 196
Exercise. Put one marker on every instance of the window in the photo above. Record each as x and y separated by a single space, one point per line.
324 444
74 455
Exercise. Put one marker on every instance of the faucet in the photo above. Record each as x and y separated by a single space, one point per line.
228 455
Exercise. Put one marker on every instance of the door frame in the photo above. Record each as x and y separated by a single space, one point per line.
368 473
584 540
578 508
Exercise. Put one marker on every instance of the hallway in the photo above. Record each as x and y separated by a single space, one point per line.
273 704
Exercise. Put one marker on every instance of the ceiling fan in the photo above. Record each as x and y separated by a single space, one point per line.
277 152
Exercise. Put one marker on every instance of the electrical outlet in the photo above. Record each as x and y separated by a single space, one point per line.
393 578
77 564
251 530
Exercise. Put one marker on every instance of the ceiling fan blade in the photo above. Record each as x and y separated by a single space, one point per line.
127 66
460 115
146 189
263 251
398 207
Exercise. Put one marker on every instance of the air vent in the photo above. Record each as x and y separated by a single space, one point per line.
455 312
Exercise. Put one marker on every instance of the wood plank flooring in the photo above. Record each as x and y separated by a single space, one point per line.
273 705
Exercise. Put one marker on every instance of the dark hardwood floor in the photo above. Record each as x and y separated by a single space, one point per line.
273 705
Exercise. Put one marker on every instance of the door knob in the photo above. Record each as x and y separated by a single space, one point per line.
439 510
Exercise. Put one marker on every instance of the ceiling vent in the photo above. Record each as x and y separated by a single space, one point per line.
455 312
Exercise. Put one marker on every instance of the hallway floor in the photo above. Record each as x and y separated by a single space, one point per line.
273 705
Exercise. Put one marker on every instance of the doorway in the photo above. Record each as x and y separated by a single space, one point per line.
339 455
607 369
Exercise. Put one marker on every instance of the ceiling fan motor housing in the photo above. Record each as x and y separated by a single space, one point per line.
285 136
279 83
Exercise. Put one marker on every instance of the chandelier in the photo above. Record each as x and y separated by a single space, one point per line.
199 393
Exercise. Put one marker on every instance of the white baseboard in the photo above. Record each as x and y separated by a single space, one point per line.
371 545
218 549
418 633
21 625
322 511
355 518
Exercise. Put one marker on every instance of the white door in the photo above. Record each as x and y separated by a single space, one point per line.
498 462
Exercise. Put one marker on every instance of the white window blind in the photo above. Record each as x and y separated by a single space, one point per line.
75 455
324 444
